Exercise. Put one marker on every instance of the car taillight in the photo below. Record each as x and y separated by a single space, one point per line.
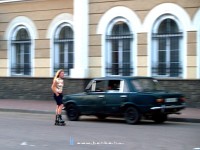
182 99
160 100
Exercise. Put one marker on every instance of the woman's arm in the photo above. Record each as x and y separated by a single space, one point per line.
54 88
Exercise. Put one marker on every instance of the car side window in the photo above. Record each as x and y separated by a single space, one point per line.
108 86
113 86
99 86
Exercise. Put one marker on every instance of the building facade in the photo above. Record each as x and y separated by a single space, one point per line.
96 38
93 38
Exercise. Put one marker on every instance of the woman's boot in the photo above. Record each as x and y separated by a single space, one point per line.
57 120
60 119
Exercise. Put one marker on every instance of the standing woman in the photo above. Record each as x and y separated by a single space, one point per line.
57 88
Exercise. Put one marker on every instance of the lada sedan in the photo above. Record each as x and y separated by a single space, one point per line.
132 98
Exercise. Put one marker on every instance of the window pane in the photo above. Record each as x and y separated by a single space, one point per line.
126 51
126 58
115 57
174 56
120 41
64 50
71 47
174 69
70 56
26 53
162 43
21 53
168 49
168 26
66 33
101 86
162 56
18 54
22 35
162 69
113 85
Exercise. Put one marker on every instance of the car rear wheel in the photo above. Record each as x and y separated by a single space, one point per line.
101 117
159 118
72 112
132 115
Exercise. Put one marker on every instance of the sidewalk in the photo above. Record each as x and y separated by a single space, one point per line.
31 106
48 107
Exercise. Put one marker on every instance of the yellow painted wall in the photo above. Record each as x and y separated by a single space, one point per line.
41 13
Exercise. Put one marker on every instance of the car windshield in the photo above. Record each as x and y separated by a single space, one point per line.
143 85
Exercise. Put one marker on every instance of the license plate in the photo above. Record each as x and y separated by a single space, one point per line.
169 100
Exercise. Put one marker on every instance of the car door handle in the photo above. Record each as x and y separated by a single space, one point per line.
123 96
101 96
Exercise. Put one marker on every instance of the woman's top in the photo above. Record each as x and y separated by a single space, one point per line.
60 84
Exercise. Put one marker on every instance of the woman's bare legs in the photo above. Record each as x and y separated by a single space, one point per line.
59 109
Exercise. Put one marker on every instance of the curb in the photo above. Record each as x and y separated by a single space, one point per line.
189 120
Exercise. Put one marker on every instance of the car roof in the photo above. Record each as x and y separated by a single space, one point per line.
122 77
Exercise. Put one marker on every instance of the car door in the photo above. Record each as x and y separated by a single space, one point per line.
94 100
116 95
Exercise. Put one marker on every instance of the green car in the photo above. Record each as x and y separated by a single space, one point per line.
129 97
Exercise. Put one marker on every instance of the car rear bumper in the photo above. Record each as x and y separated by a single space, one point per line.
169 107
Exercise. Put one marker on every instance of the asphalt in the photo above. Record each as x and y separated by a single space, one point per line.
49 106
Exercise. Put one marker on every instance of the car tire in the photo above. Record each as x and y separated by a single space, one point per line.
132 115
159 118
72 112
101 117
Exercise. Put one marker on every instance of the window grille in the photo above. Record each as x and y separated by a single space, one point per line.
64 50
167 50
21 53
119 61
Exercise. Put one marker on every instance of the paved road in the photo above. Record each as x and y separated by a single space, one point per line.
28 131
48 107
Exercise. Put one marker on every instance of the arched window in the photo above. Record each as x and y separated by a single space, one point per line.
119 50
64 49
167 49
21 52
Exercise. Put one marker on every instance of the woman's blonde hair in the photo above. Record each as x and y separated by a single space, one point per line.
57 74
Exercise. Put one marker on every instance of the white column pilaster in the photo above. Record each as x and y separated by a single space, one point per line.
81 16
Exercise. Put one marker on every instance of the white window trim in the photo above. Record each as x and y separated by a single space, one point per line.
31 29
134 23
196 24
13 49
184 19
55 59
64 18
154 43
10 1
108 53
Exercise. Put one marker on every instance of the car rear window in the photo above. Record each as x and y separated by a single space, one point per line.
142 85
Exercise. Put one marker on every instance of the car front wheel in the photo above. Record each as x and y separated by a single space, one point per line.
72 112
132 115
